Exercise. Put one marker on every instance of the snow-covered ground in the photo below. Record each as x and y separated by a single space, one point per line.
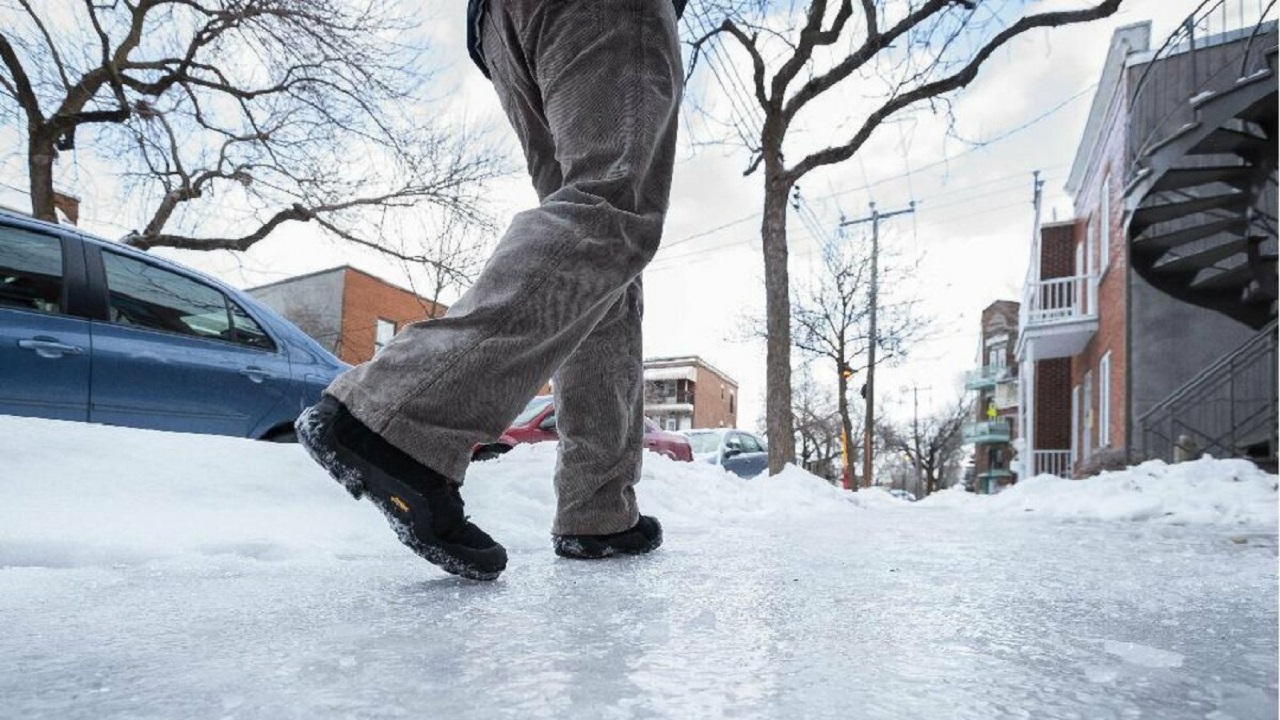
153 575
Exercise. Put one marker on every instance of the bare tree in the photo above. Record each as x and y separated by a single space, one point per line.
910 51
817 429
270 111
932 444
831 318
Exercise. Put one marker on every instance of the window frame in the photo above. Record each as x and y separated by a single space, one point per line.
378 324
1104 400
100 291
71 295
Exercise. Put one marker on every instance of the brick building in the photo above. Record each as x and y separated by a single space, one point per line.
683 393
348 311
1109 337
995 421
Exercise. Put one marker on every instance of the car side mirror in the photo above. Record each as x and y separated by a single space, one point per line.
732 452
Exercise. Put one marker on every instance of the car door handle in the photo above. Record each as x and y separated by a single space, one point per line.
256 374
47 347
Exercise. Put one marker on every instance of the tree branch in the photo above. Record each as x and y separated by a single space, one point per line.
960 79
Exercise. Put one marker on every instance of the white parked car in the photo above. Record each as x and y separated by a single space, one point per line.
738 451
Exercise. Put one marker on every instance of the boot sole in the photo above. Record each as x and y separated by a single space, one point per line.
579 552
354 482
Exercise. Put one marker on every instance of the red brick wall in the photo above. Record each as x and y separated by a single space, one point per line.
1053 404
1107 166
1058 250
715 401
365 299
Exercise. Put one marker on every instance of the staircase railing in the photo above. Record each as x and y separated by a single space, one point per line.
1159 100
1227 410
1052 462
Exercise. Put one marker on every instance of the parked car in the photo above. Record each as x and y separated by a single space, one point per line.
902 494
537 423
94 331
737 451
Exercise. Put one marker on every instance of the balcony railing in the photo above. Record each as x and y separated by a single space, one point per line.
988 431
985 377
1058 316
1057 300
1052 462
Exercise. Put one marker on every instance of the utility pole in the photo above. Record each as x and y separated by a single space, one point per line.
915 435
870 394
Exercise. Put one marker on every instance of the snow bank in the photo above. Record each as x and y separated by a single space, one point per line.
1200 492
76 494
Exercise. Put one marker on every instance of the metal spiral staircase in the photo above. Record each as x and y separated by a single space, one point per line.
1201 191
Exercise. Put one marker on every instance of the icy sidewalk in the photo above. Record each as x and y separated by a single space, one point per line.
166 576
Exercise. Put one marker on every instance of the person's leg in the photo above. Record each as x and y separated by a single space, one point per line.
607 76
600 417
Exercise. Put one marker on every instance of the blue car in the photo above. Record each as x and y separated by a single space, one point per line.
94 331
737 451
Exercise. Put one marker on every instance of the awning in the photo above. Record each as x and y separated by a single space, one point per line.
671 373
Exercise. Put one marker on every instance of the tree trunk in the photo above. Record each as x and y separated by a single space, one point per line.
40 154
846 426
773 232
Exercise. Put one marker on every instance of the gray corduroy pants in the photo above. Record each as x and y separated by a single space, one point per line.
592 90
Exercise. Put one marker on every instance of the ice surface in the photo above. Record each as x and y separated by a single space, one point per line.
153 575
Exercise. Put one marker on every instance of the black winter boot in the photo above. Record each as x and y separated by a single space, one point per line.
643 537
423 507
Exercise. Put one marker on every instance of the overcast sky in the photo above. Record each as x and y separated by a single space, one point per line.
972 227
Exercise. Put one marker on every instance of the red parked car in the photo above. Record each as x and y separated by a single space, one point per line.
537 423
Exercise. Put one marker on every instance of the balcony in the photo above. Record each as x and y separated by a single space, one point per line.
986 377
1059 315
986 433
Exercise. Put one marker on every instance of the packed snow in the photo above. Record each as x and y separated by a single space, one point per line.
1199 492
147 574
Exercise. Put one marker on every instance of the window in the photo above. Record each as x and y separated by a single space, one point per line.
673 423
1090 237
248 331
731 408
30 271
383 332
1104 400
1075 422
1104 226
147 296
1086 410
750 444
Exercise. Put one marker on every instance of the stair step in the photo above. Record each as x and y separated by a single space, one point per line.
1224 140
1177 178
1173 239
1238 275
1260 76
1145 217
1203 259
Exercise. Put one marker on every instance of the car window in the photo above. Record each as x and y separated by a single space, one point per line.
248 331
30 271
733 440
534 407
143 295
749 443
704 442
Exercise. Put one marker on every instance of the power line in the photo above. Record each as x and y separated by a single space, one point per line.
923 207
973 147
